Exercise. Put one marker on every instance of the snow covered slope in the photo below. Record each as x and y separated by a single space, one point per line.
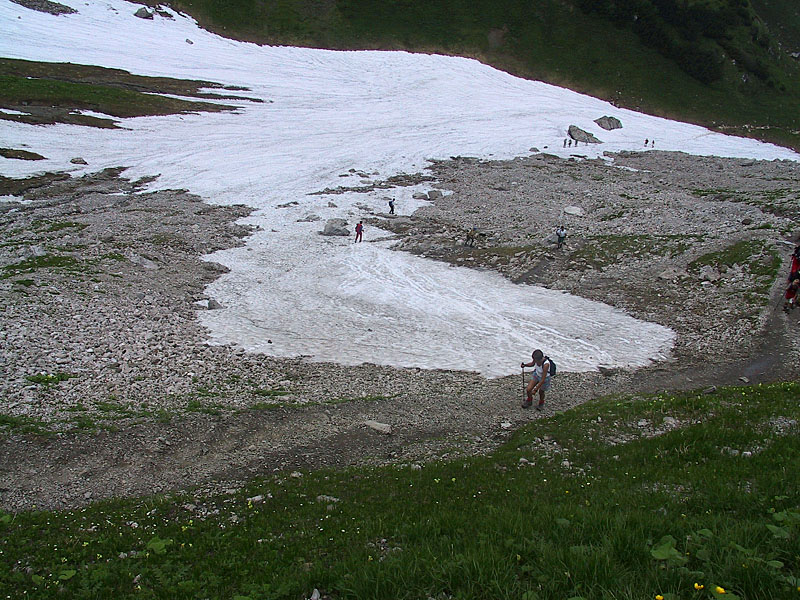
326 112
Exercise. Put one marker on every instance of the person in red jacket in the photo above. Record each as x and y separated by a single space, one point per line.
359 231
790 297
794 270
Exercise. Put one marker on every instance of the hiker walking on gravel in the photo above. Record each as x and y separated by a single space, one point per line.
540 379
359 231
790 297
561 235
391 207
471 235
794 270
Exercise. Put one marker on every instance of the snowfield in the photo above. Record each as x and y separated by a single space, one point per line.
293 292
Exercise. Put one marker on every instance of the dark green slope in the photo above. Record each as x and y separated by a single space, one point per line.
722 63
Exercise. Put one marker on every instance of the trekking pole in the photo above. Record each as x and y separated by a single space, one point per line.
524 387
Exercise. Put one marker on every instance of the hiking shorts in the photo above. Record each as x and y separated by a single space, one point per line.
545 385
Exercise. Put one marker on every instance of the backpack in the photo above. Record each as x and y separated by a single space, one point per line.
552 370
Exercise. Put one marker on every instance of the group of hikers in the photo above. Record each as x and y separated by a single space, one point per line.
790 296
472 236
360 225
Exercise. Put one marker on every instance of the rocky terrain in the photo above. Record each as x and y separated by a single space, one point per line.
109 388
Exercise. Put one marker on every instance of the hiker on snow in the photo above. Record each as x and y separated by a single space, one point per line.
540 379
359 231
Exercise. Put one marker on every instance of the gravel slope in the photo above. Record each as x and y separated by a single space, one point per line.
102 283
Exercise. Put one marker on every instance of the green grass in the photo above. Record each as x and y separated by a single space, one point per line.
265 406
49 378
195 405
703 492
17 90
66 225
276 393
603 250
47 261
779 201
22 424
756 257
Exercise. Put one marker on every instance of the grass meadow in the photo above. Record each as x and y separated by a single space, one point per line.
687 496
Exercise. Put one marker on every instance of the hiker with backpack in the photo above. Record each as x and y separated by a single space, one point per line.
543 371
561 235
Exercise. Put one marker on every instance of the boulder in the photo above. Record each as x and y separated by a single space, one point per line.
142 261
78 161
579 135
671 273
379 427
336 227
434 194
143 13
309 218
35 251
609 123
709 273
575 211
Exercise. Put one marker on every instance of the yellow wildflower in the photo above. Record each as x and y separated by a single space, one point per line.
659 597
698 586
719 590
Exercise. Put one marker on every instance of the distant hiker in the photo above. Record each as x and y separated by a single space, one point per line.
565 142
652 143
561 235
645 142
391 207
540 379
471 235
794 270
569 143
359 231
790 297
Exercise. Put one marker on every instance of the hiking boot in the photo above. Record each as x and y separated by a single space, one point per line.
527 403
540 406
